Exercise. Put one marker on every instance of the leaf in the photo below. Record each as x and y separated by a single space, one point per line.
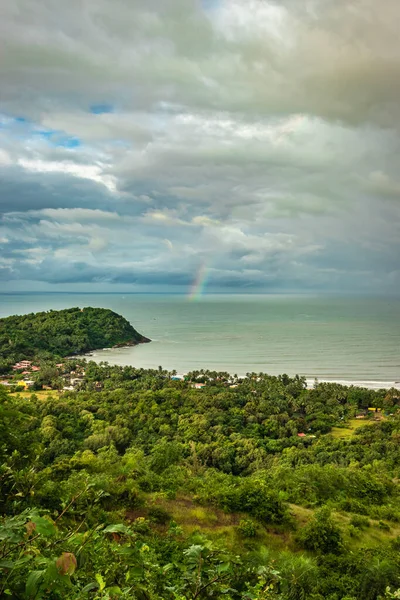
115 590
30 527
168 567
136 571
223 568
100 581
66 563
44 526
117 528
33 583
193 552
89 587
6 564
22 561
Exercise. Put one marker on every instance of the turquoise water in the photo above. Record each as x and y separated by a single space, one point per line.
340 339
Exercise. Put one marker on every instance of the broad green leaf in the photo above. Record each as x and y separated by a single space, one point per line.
33 583
223 568
193 552
6 564
44 526
136 571
117 528
114 591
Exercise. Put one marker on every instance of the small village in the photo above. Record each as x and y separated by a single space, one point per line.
26 376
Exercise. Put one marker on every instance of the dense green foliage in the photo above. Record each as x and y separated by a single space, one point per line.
64 332
153 490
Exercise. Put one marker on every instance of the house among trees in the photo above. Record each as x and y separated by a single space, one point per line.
21 365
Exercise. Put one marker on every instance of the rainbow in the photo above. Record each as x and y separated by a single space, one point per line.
199 283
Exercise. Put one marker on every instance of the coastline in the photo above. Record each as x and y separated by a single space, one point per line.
371 384
374 384
121 346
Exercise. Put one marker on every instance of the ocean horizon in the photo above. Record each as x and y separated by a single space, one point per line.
345 339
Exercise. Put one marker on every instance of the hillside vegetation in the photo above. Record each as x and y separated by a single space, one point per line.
153 490
64 332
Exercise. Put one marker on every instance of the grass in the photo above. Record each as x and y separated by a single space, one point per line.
370 537
41 394
190 515
218 525
351 426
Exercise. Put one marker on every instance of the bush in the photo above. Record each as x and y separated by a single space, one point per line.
321 534
150 482
353 531
255 498
395 544
159 515
247 528
387 513
360 522
141 525
384 526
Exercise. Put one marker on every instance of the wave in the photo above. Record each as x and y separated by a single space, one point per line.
371 385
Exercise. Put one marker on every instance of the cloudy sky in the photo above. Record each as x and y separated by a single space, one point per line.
256 142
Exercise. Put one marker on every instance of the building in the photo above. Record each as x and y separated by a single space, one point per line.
23 364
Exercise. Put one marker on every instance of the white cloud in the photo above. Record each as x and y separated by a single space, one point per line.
5 159
92 172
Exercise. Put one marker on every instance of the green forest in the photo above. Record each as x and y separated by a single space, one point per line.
64 332
250 488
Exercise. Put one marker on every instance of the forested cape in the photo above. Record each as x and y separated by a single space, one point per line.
247 489
64 332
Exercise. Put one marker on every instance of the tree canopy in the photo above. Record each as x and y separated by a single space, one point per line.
153 490
64 332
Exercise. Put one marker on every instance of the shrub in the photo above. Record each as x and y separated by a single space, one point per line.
255 498
321 534
159 515
141 525
395 544
353 531
150 482
360 522
247 528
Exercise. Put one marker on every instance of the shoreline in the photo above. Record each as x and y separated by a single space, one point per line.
371 384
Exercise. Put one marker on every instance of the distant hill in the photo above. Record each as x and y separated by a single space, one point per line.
64 332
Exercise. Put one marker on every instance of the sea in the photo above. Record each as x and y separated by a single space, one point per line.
348 340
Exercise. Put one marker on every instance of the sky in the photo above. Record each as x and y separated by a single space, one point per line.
243 145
